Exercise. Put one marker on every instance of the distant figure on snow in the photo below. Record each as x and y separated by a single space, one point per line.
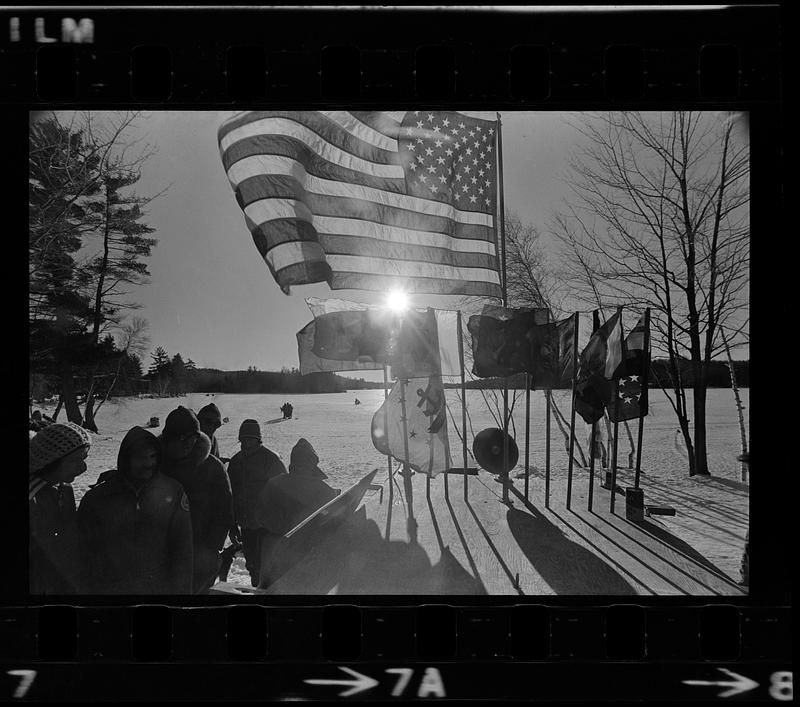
358 402
135 527
188 460
57 455
250 470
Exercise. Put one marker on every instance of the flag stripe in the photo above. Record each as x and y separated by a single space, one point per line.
297 211
263 186
409 268
368 159
286 254
350 123
280 155
375 248
341 280
329 229
314 123
387 122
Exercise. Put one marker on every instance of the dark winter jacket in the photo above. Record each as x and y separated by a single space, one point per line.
249 471
53 552
136 540
291 498
206 484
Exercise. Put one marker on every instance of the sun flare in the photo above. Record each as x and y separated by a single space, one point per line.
397 300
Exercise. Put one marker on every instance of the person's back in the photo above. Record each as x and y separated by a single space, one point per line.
250 471
290 498
136 533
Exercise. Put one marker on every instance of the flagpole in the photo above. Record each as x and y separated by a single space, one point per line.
386 428
595 327
463 401
527 430
547 442
547 394
643 394
406 469
572 418
500 220
616 418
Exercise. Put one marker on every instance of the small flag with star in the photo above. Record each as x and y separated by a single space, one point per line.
424 434
630 373
369 200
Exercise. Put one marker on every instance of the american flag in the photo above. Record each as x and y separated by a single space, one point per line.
369 200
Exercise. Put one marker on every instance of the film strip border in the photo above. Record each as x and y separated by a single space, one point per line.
431 650
512 58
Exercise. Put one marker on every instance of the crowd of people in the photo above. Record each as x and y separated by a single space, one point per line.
288 410
158 522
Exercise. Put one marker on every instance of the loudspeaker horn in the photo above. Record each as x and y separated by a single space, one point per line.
488 450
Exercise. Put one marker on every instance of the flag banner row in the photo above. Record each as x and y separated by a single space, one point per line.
369 200
354 336
611 374
421 438
507 341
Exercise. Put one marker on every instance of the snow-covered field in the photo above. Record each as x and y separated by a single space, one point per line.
712 514
339 430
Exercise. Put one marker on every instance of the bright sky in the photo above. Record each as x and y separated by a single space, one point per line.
211 297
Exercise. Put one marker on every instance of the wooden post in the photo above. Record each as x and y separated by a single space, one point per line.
591 465
616 416
645 377
463 401
547 394
527 431
500 220
386 429
595 327
406 469
572 418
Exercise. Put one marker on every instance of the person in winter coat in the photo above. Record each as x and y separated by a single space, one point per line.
250 470
57 455
210 421
187 459
135 527
291 498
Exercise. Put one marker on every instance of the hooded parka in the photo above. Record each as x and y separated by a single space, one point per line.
206 483
136 539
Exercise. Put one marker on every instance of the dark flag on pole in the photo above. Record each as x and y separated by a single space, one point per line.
503 339
551 353
630 374
311 363
598 363
362 336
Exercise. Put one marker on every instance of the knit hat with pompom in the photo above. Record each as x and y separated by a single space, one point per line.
55 442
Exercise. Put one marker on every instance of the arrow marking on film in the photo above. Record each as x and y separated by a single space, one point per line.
739 683
361 682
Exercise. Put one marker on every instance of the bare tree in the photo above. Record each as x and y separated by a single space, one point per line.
659 218
87 245
533 282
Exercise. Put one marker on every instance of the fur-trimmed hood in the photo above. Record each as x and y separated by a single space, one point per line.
200 452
